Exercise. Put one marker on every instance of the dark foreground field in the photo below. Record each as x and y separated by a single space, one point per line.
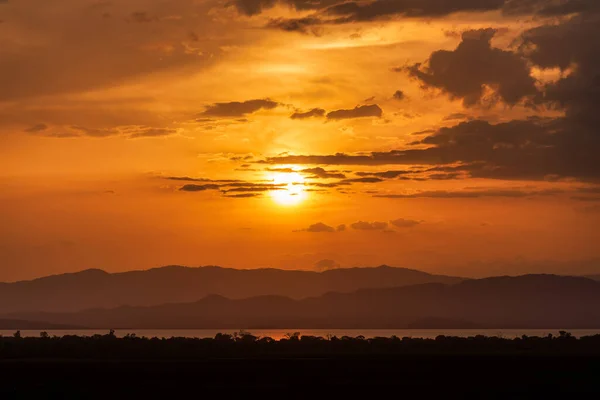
412 376
107 367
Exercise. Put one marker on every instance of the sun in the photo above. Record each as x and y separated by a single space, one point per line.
292 190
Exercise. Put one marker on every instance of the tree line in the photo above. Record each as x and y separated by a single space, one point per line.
244 344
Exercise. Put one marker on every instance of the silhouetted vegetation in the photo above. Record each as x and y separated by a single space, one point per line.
244 344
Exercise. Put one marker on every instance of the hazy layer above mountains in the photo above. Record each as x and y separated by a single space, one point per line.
531 301
99 289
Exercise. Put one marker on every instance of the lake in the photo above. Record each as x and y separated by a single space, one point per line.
281 333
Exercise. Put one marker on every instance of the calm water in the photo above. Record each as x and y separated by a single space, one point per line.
280 333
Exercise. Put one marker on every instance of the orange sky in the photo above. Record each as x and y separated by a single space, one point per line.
252 133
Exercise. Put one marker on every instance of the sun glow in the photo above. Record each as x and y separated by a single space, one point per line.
292 191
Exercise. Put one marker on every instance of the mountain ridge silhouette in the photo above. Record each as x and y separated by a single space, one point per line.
97 288
528 301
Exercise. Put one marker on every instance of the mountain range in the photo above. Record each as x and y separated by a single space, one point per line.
174 284
529 301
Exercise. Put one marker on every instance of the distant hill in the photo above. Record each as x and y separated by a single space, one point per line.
18 324
531 301
174 284
594 277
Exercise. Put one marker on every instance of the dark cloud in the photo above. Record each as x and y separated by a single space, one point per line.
466 194
326 185
550 7
362 180
37 128
456 116
198 188
319 227
574 43
464 73
190 179
242 195
386 174
228 188
323 173
424 132
341 228
521 149
372 110
253 7
238 109
399 95
247 157
315 112
254 188
282 170
343 12
358 11
303 25
369 226
404 223
315 173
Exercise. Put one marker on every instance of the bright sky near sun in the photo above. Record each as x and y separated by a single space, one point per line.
458 139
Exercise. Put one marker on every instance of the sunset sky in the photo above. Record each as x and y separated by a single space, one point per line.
456 137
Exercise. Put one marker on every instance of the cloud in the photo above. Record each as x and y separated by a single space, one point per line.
369 226
238 109
104 59
148 132
242 195
404 223
96 132
315 112
253 7
303 25
37 128
319 227
254 188
464 73
346 12
316 173
472 194
190 179
573 43
386 174
551 7
358 11
198 188
323 173
362 180
132 131
341 228
456 116
520 149
399 95
372 110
